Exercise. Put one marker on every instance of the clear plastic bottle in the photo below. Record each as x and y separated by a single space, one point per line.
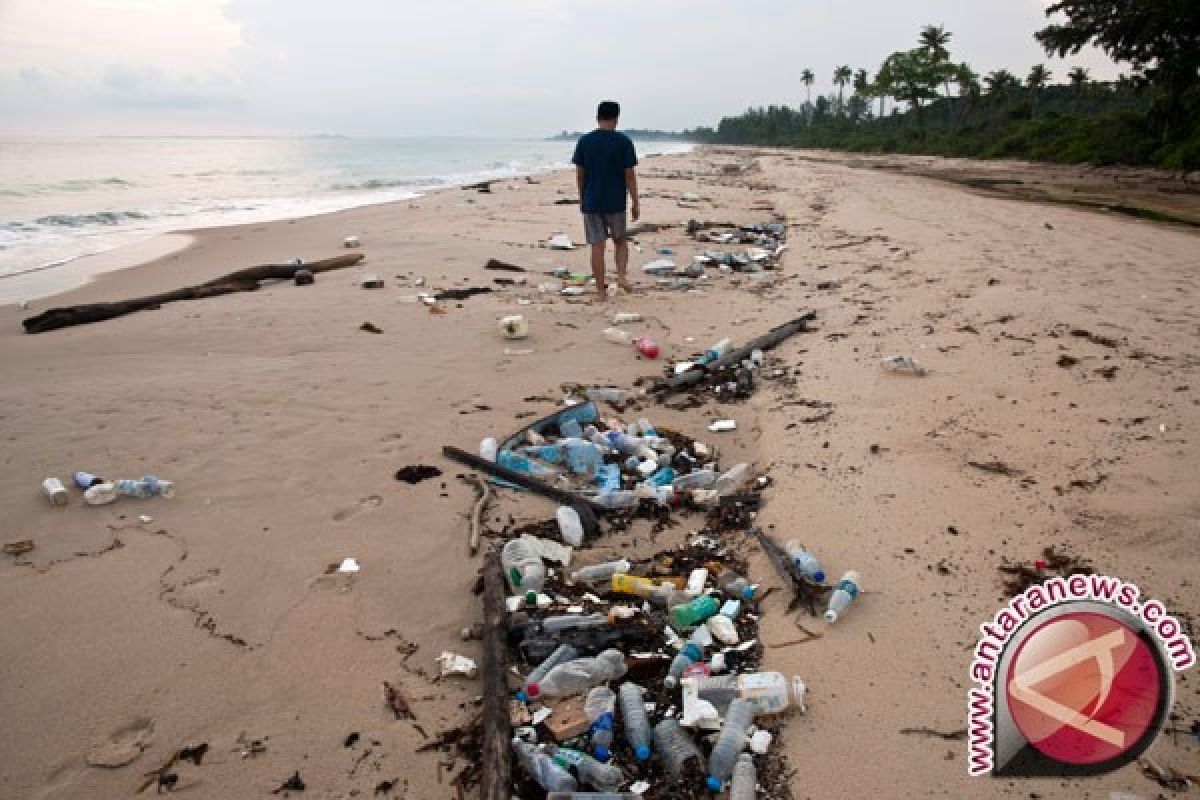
699 479
688 655
688 615
569 525
733 479
600 573
767 692
607 394
561 655
608 477
745 779
902 363
581 457
570 622
805 561
86 480
675 748
589 771
843 595
100 494
55 492
717 350
729 744
633 717
576 677
723 629
147 486
600 706
617 499
617 336
523 566
734 585
543 769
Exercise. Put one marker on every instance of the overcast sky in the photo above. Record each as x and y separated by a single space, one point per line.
459 67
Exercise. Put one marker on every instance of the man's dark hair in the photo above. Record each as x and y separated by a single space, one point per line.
608 110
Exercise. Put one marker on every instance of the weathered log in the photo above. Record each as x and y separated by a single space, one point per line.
243 280
493 263
496 756
475 526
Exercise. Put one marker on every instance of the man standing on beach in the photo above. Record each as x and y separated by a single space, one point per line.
604 171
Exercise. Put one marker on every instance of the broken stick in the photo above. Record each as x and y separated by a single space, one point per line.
484 493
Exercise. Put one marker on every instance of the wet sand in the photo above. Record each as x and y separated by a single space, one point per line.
282 424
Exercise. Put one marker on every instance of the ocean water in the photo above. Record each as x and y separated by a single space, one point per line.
62 199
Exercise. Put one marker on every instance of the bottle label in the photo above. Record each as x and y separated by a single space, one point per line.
632 584
849 587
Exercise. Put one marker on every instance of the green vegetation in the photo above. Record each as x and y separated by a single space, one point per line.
633 133
940 107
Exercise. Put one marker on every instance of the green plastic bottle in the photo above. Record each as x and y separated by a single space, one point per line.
690 614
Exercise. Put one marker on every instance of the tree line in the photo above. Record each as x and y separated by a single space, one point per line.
1149 116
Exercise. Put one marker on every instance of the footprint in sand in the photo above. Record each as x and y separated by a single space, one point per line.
365 504
123 745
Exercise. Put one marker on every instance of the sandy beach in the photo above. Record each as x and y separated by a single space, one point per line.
1062 343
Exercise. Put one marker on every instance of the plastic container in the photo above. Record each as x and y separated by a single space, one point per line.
514 326
543 769
690 654
570 428
675 748
730 608
733 479
55 492
735 586
579 675
523 567
843 595
146 486
804 561
745 779
717 350
599 573
903 363
571 622
729 744
582 457
101 494
616 499
569 525
647 347
623 583
589 771
767 692
626 317
608 477
488 448
522 463
634 720
599 707
697 580
618 336
561 655
86 480
723 629
662 477
699 479
689 615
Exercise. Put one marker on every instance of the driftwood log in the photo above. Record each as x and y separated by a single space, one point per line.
496 756
243 280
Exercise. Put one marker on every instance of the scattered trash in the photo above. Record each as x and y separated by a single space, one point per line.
292 784
303 277
349 565
370 327
661 266
454 665
415 473
560 241
626 317
514 326
462 294
55 492
145 519
723 425
146 486
23 305
18 548
100 494
370 281
351 241
903 363
843 595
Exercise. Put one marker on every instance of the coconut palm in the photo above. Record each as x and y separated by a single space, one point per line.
1000 83
933 40
807 78
1079 77
862 87
841 76
1039 76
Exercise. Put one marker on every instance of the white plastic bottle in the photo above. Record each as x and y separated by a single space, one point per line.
745 779
675 747
488 449
618 336
723 629
576 677
766 692
699 479
55 492
805 561
569 622
100 494
569 525
543 769
634 719
600 573
523 567
733 479
560 655
605 777
729 744
843 595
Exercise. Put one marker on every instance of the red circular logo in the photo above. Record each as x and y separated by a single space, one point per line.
1084 688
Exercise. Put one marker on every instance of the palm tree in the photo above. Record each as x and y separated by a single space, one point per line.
862 87
1039 76
807 78
968 83
1079 80
934 39
841 76
1000 83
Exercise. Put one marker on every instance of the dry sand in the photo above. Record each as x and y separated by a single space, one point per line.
283 424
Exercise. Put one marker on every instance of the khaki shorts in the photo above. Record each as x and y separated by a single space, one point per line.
598 227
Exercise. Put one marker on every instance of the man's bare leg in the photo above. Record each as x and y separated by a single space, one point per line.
621 252
598 270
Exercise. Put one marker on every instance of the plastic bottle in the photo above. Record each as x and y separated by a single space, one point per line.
723 629
718 349
570 428
623 583
735 586
599 573
575 677
767 692
543 769
843 595
552 453
636 723
599 707
146 486
732 480
522 463
618 336
581 457
687 656
561 655
689 615
675 747
589 771
699 479
646 428
55 492
730 608
100 494
662 477
902 363
745 779
570 622
86 480
805 561
729 744
625 317
569 525
616 499
523 566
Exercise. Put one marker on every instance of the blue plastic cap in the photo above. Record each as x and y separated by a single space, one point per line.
713 784
642 752
602 753
524 698
819 576
748 593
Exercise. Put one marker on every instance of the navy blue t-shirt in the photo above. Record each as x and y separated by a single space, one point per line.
604 156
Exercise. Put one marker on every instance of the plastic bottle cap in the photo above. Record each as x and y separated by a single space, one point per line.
831 616
748 593
532 690
642 752
713 784
522 697
602 753
531 598
819 576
